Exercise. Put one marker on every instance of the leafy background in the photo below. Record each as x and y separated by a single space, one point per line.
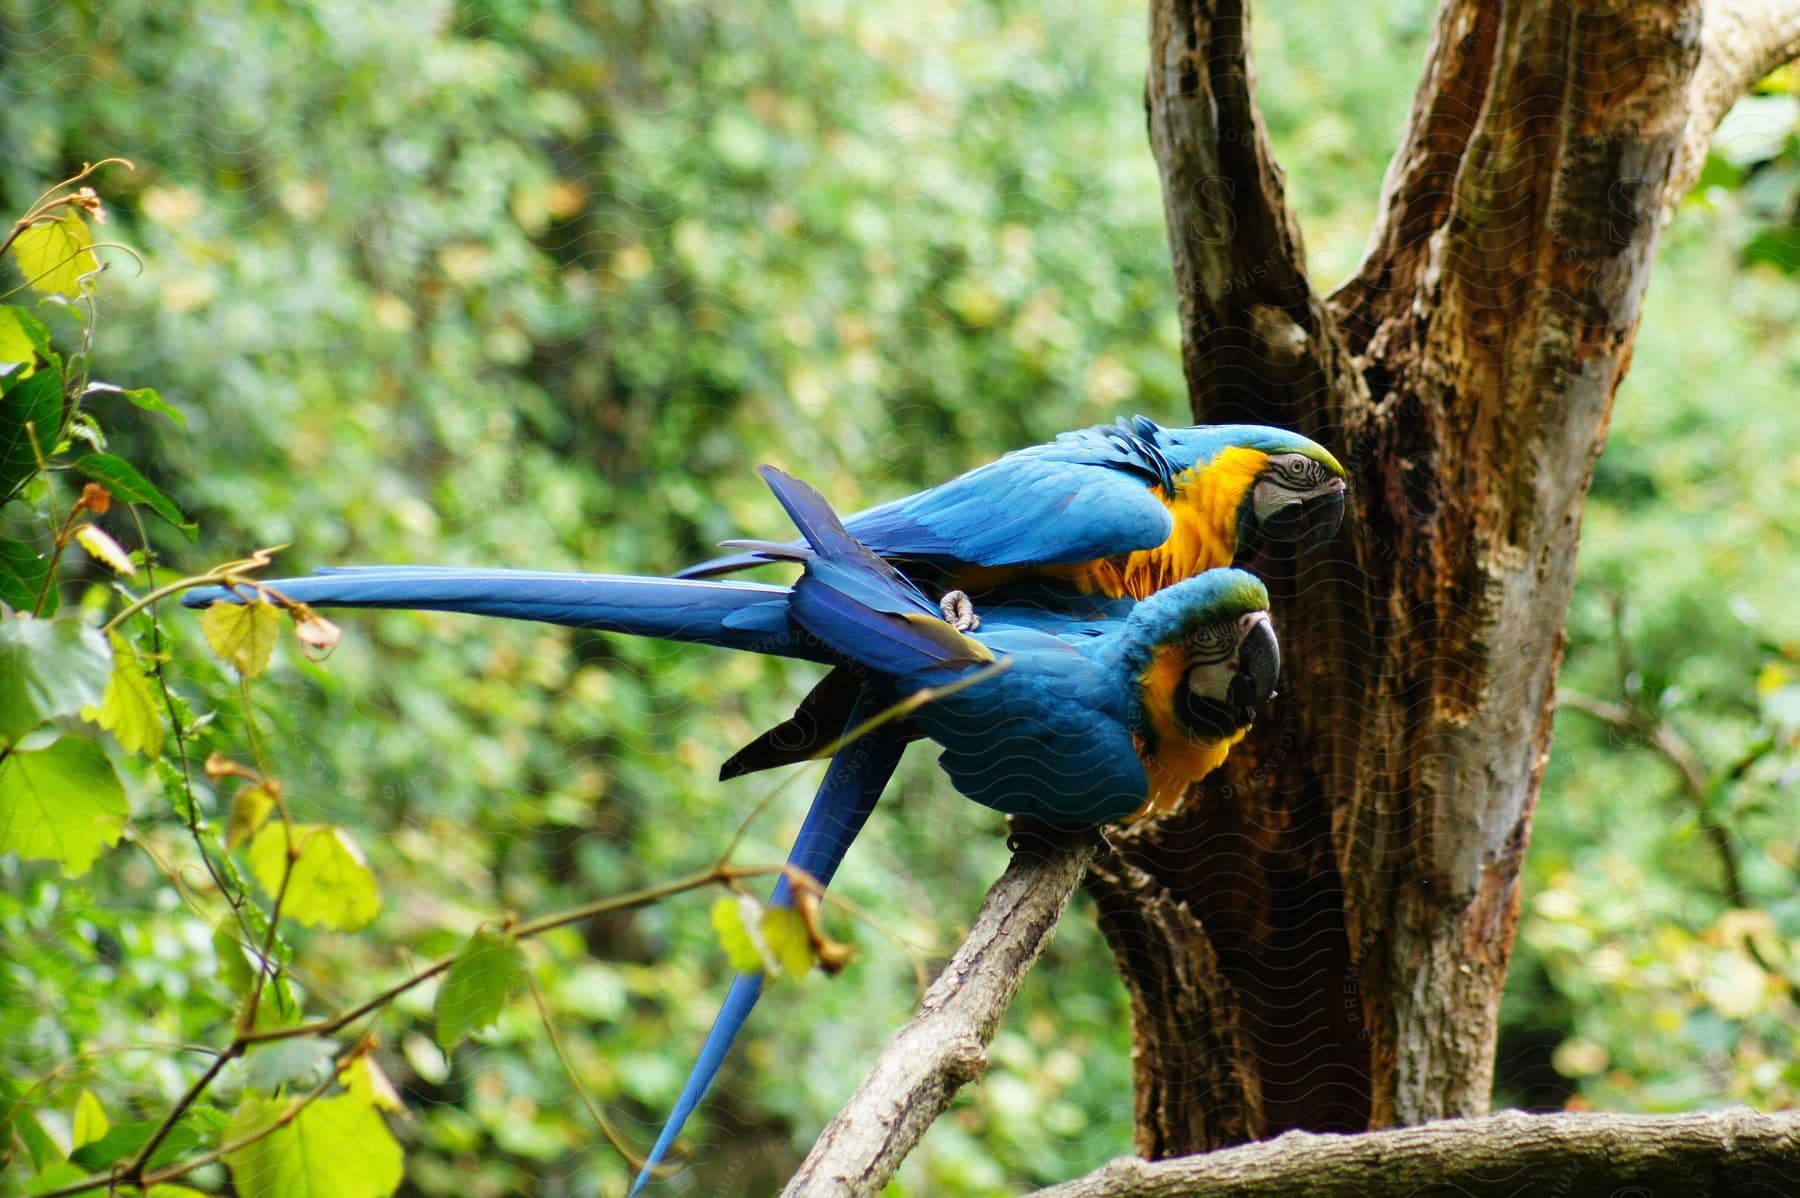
524 283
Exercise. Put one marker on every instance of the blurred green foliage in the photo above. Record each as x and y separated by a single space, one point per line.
514 282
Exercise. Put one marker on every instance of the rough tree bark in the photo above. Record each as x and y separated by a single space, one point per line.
1320 939
1737 1153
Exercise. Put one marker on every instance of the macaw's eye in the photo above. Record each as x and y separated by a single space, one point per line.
1297 499
1211 645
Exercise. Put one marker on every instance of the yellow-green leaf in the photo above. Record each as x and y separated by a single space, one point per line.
784 931
102 548
489 969
242 633
90 1122
61 804
367 1080
250 809
55 254
331 886
734 933
129 710
23 343
332 1148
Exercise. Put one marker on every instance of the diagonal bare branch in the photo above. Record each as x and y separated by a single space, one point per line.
945 1045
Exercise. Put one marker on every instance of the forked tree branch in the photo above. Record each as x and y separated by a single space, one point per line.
1701 1154
1740 42
1259 343
945 1045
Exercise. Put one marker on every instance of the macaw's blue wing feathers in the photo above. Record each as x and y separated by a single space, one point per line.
1048 738
854 782
731 563
858 604
1026 509
805 735
734 615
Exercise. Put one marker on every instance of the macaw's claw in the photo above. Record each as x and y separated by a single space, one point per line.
959 611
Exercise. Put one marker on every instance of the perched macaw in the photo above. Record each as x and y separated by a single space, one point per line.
1117 509
1074 720
1113 511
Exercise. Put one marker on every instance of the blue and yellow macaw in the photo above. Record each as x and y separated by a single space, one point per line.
1113 511
1120 510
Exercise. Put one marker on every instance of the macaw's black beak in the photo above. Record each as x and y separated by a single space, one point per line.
1306 521
1320 516
1259 667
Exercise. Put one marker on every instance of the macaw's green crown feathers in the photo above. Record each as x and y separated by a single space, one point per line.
1183 448
1183 611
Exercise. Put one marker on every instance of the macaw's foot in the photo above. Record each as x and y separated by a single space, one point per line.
1027 835
959 611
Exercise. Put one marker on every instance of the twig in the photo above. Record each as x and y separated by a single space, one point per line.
1696 783
945 1045
535 927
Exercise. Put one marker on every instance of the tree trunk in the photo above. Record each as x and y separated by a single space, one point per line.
1319 939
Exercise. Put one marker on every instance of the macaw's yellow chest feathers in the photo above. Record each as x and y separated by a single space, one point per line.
1175 765
1205 507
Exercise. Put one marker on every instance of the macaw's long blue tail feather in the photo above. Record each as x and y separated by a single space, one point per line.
857 776
734 615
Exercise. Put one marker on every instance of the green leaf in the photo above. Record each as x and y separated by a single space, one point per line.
331 887
61 804
141 397
251 808
784 931
734 933
234 969
333 1148
121 1143
301 1059
48 668
54 1177
127 1139
38 402
22 574
489 969
90 1121
129 709
56 254
24 343
242 633
17 1120
123 480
